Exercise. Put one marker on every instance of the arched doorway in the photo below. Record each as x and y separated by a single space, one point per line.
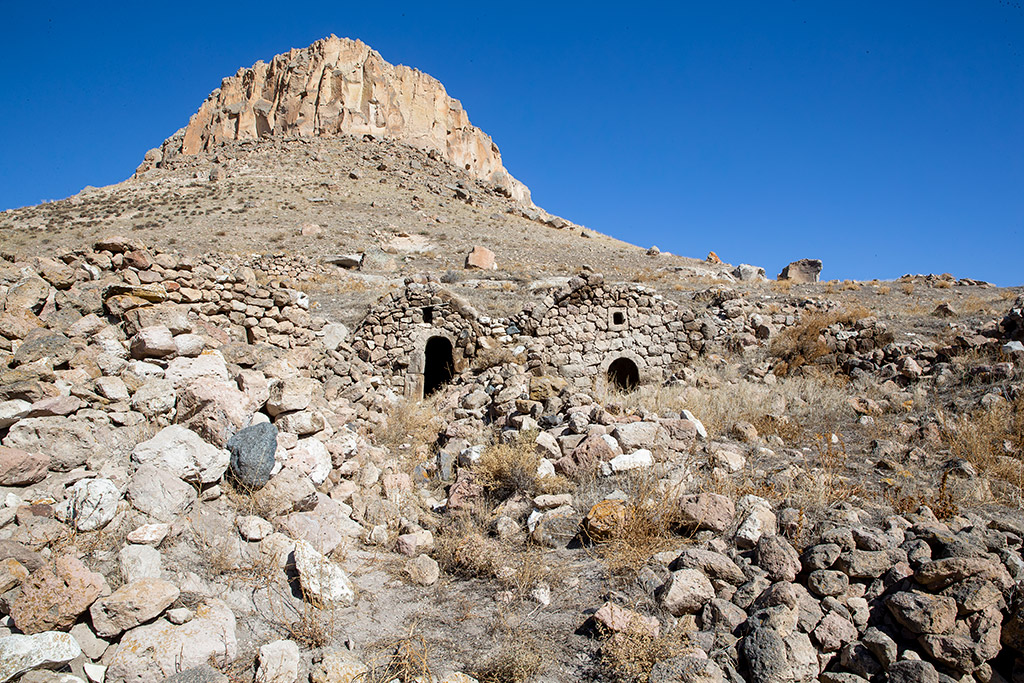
623 374
438 364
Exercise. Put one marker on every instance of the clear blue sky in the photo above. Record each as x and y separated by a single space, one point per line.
881 137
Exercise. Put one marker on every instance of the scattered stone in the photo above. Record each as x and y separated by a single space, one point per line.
278 662
322 581
90 504
423 570
132 604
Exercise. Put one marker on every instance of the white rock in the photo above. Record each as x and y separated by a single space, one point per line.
702 432
321 579
253 527
149 534
94 672
12 411
628 461
758 520
189 345
19 653
546 468
469 456
333 335
139 562
152 342
279 662
144 370
112 388
182 452
208 365
90 504
289 394
155 397
311 458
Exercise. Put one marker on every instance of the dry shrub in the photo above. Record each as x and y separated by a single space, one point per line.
650 518
942 284
405 659
463 548
803 343
629 656
505 469
991 439
907 288
782 286
409 424
884 289
520 659
942 502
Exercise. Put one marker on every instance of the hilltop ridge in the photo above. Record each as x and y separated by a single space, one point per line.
338 86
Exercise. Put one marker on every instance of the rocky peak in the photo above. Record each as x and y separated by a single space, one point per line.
334 87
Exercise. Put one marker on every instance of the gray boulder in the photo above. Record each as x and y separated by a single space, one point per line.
252 454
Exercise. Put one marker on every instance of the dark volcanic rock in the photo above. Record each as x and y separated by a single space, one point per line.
252 454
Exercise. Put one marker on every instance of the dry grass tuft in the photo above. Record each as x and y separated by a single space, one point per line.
463 548
492 358
629 656
650 518
405 659
410 424
520 659
506 469
991 439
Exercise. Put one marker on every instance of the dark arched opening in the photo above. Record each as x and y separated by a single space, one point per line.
623 374
438 365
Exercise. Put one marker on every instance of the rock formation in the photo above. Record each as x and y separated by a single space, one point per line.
338 86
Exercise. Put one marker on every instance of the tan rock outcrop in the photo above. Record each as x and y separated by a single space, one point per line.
338 86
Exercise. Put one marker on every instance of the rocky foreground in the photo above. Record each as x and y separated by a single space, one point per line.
204 482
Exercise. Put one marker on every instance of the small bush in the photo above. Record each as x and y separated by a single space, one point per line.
451 277
505 469
520 660
492 358
803 343
409 424
629 656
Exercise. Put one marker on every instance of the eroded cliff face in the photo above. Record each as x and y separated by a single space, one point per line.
339 86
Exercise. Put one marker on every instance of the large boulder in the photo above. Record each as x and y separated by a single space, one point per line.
184 453
804 271
159 650
52 598
21 468
252 452
69 443
21 653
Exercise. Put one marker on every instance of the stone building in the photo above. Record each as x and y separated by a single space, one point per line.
418 338
621 334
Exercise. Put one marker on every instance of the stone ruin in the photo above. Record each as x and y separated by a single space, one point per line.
419 338
624 335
